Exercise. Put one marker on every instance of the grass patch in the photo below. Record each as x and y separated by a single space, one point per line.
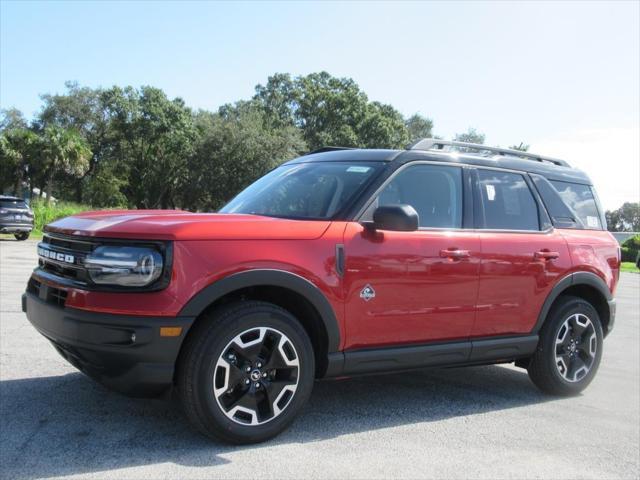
629 267
44 214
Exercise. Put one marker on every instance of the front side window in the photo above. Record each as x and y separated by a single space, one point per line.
581 200
508 202
434 191
306 191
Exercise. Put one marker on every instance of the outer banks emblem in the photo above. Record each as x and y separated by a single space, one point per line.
367 293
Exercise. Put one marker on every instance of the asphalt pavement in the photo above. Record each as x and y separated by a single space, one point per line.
475 422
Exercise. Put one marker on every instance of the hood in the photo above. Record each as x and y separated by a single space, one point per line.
180 225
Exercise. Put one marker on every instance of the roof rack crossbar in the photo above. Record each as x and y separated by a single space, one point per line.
445 145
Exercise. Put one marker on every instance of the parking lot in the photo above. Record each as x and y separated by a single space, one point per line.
478 422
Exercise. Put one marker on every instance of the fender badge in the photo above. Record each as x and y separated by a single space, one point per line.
367 293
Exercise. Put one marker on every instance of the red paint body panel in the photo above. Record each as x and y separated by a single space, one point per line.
596 252
178 225
419 295
513 283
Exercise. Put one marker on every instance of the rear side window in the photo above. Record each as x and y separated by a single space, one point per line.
508 202
579 198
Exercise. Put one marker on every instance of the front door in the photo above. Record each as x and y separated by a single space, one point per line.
413 287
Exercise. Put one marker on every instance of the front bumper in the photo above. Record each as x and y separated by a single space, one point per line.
126 354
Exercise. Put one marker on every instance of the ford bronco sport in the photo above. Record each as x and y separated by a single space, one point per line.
337 263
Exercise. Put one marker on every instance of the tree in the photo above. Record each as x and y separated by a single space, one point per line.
65 151
81 109
17 152
470 136
624 219
330 111
151 139
11 119
419 127
235 147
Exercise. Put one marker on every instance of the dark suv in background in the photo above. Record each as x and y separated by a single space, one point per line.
15 217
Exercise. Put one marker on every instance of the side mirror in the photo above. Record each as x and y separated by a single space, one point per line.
399 218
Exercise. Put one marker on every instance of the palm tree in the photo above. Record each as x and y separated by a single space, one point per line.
16 153
64 150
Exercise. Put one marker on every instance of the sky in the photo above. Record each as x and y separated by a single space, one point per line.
563 77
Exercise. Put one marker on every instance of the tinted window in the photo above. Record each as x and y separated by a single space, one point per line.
434 191
304 191
580 199
508 202
5 203
561 215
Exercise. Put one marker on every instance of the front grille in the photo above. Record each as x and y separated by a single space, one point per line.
68 243
71 265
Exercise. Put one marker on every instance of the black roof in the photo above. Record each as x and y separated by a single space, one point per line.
546 169
8 197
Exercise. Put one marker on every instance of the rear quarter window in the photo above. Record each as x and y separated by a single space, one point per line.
581 201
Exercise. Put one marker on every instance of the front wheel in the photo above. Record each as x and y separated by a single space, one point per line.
569 350
246 372
21 236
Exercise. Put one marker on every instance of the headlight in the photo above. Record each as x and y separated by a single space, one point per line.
124 266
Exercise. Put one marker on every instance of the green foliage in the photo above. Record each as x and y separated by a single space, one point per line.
65 152
631 249
46 213
419 127
624 219
470 136
629 267
236 146
330 111
137 148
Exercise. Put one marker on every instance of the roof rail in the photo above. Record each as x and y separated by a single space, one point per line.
445 145
329 149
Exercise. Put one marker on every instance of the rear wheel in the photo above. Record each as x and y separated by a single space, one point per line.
246 372
21 235
570 348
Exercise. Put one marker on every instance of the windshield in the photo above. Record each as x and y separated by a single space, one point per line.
305 190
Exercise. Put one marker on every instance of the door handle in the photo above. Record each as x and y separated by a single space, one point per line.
454 253
546 255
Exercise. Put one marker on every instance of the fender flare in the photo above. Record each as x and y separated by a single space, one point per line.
272 278
573 279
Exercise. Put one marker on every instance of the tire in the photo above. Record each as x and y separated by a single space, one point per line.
21 236
252 341
569 350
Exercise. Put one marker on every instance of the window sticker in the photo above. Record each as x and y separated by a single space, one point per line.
491 192
354 169
592 221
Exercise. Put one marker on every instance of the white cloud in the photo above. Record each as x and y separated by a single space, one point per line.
610 156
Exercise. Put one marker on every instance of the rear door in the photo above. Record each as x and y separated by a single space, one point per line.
414 287
522 256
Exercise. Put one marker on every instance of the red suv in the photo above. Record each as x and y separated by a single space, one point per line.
338 263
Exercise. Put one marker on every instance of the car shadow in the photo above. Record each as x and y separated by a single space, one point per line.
65 425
